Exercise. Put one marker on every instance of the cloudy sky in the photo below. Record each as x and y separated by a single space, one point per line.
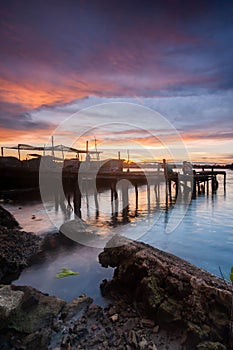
172 58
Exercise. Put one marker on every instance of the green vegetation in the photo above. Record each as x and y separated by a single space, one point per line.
65 273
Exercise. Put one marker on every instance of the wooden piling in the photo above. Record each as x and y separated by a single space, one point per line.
207 187
77 199
166 180
170 189
125 201
194 188
198 187
136 200
136 195
148 196
96 202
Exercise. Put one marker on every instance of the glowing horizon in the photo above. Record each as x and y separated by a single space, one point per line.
86 54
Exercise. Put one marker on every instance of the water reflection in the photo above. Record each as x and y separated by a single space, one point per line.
116 205
204 236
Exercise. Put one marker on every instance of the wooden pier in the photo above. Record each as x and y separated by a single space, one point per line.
176 185
186 186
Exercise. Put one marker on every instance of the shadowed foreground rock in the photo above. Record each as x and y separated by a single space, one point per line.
29 318
32 320
173 292
7 219
16 249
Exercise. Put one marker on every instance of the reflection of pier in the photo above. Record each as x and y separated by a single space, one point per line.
161 187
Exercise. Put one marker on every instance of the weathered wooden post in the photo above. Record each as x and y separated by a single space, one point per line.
198 187
77 199
96 204
224 181
136 199
114 199
207 186
148 196
112 206
170 189
19 152
194 186
166 180
125 200
136 195
157 192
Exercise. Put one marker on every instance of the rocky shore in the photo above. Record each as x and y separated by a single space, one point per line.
174 293
16 246
32 320
156 302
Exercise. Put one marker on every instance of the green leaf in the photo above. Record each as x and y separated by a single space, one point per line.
65 273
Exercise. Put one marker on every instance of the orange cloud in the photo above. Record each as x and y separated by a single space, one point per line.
13 137
33 95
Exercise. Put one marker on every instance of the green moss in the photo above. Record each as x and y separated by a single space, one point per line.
200 333
211 346
170 310
154 293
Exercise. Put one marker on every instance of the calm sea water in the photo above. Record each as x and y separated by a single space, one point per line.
201 234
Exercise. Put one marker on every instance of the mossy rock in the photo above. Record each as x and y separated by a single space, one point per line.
197 334
211 346
219 318
152 292
170 311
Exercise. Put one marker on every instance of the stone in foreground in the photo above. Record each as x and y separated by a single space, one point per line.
173 292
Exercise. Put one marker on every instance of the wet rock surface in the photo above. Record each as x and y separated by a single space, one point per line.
174 293
38 321
16 249
118 326
31 318
158 301
7 219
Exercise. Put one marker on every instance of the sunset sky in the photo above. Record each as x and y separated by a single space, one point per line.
172 57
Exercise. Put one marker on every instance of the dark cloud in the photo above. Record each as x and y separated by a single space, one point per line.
56 52
134 44
13 116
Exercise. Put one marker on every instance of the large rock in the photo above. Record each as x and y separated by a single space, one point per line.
27 316
36 310
29 319
175 293
16 249
9 301
7 219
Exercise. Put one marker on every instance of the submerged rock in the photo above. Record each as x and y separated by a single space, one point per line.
173 292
